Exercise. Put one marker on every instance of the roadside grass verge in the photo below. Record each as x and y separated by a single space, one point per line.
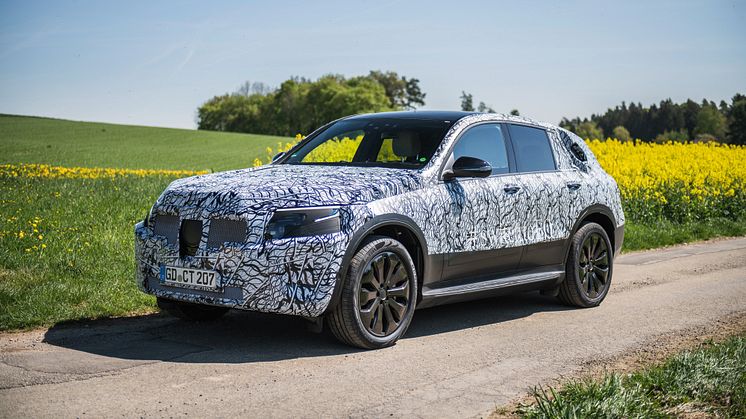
709 381
66 248
25 139
660 233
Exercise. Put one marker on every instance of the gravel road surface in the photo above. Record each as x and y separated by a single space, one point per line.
455 361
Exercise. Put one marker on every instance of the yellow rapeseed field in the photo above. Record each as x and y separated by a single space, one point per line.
45 171
678 181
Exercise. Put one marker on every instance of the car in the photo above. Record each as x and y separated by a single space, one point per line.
372 216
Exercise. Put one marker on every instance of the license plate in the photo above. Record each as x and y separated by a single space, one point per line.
173 275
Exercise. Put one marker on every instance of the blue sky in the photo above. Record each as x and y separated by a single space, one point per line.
155 62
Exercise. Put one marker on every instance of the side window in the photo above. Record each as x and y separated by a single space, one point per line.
532 150
485 142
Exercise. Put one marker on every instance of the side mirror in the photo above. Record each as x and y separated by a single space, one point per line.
278 156
468 167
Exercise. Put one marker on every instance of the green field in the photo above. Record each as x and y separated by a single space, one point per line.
87 144
66 248
66 245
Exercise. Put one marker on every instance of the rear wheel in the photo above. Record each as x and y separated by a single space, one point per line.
588 269
378 297
191 311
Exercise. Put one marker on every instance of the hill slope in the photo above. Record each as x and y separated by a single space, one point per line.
70 143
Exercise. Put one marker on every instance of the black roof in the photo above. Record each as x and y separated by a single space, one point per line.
451 116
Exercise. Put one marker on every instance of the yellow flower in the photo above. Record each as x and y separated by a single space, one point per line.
46 171
676 178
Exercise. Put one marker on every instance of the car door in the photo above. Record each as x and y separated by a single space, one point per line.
541 223
478 247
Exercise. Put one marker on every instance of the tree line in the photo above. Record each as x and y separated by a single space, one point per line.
301 105
688 121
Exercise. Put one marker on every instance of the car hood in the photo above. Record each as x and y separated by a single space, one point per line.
282 186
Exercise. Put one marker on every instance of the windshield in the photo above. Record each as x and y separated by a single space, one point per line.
400 143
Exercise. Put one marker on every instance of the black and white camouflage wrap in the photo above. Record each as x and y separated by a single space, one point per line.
297 275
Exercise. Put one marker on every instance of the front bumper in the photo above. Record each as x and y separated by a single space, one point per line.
293 276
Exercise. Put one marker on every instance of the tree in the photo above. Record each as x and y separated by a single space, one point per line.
590 131
288 111
571 124
690 111
403 93
414 95
298 106
248 88
710 121
621 134
705 138
737 120
515 112
484 108
648 123
467 102
679 136
231 113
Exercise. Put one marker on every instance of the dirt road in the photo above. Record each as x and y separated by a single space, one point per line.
460 360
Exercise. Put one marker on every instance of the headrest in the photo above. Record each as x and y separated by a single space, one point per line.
407 144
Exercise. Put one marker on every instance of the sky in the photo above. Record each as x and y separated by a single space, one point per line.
155 62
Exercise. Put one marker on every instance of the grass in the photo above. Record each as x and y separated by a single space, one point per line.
709 381
641 236
26 139
66 248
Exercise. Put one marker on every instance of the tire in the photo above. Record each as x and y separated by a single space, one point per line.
373 324
190 311
587 280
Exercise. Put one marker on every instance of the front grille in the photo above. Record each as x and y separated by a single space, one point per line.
189 233
167 226
189 236
225 231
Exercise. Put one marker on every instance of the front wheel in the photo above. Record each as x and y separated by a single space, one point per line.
588 269
378 297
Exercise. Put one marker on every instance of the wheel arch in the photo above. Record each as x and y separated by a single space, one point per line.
395 226
601 215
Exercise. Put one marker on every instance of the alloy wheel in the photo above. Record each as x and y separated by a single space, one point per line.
384 294
593 265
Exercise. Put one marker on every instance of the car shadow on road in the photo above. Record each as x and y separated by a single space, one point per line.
245 337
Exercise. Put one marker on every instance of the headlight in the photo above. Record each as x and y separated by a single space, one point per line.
301 222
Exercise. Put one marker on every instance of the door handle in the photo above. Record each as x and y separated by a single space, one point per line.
573 186
511 189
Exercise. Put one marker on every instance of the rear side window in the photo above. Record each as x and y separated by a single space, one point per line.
484 142
532 150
